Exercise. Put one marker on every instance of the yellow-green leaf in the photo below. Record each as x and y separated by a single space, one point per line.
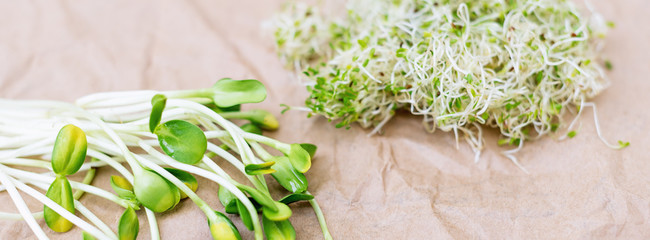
61 193
278 230
129 225
222 228
69 150
283 212
155 192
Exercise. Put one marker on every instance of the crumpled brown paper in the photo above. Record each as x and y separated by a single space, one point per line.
403 184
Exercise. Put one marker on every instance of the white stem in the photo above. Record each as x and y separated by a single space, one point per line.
153 224
61 211
600 135
29 176
22 207
94 219
18 216
114 164
226 155
211 176
86 213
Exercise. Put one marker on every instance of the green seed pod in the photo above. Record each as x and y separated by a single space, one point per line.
223 229
61 193
186 178
122 187
278 230
155 192
287 176
282 213
129 225
69 150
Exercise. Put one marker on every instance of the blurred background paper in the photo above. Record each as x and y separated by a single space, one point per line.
403 184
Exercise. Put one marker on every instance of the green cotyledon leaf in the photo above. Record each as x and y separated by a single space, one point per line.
129 225
287 176
295 197
260 168
69 150
244 215
299 158
222 228
182 141
283 212
61 193
228 92
155 192
122 187
186 178
158 103
278 230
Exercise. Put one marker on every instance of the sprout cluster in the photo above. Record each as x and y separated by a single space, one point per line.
166 138
515 65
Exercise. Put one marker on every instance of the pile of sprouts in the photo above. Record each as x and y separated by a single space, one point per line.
166 139
515 65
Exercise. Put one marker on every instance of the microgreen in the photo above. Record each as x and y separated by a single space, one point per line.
228 92
280 213
260 197
155 192
244 215
622 144
181 140
521 65
295 197
300 158
234 108
278 229
69 150
87 236
609 65
260 168
122 187
186 178
287 176
129 225
117 132
310 148
223 228
571 134
61 193
251 128
259 117
157 106
227 199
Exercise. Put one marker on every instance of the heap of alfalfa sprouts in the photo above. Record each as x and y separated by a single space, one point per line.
518 66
